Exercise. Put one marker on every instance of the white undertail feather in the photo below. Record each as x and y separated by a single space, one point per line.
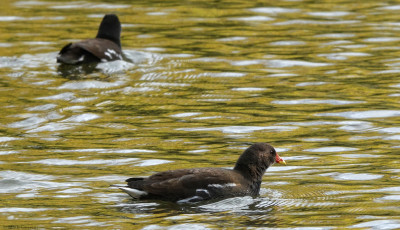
134 193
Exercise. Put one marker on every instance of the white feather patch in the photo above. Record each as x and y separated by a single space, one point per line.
199 190
110 53
190 199
134 193
222 185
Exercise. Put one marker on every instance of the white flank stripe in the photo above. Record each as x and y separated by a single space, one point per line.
222 185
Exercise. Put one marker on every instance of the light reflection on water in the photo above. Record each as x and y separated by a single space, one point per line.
200 82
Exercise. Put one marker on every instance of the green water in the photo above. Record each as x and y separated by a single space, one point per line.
203 80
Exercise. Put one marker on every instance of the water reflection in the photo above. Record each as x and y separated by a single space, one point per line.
75 72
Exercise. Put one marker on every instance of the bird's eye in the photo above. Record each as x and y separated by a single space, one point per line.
272 151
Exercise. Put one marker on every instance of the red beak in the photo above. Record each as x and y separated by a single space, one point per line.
279 160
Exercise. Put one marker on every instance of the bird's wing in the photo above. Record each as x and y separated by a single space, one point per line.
101 48
186 183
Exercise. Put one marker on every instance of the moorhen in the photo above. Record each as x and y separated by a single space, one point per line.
196 184
105 47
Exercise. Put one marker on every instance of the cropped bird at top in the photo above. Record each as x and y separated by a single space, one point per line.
196 184
105 47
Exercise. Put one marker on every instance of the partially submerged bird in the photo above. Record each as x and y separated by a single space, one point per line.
196 184
105 47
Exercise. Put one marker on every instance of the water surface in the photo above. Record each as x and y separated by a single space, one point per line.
202 81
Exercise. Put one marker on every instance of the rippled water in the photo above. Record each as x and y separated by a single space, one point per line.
201 81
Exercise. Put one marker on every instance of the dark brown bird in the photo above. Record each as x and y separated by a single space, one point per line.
198 184
105 47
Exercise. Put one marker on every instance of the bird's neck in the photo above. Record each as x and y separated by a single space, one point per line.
110 36
251 172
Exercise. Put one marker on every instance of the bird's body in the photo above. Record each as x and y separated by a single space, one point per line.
105 47
208 183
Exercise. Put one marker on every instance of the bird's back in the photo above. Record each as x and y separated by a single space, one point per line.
196 183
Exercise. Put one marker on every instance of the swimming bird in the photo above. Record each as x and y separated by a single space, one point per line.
196 184
105 47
